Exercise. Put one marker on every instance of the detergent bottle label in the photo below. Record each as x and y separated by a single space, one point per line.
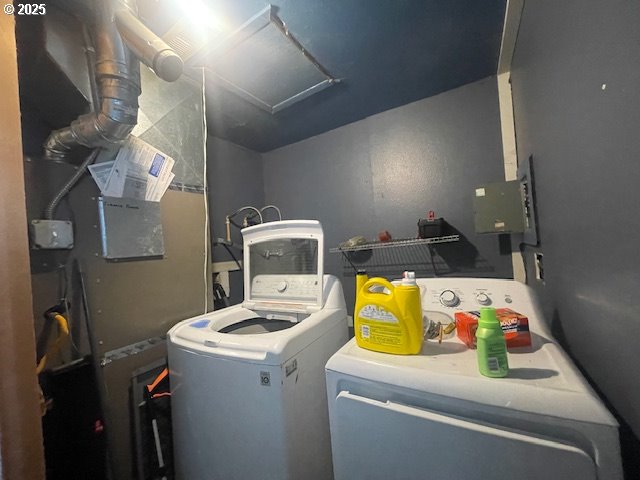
379 314
379 326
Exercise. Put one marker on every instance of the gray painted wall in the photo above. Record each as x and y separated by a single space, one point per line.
388 170
585 143
235 177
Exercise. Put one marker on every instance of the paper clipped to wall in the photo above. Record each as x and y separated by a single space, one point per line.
139 171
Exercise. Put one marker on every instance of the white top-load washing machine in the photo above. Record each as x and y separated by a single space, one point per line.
433 416
247 382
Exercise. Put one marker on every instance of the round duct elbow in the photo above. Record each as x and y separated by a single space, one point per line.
168 65
148 47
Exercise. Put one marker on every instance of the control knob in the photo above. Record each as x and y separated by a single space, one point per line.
282 286
449 299
483 299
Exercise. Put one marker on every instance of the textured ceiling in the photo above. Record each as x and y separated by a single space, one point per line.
386 52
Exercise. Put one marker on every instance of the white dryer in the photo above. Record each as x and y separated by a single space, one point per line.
433 416
247 382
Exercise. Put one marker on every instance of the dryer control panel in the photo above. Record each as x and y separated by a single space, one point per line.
454 297
450 295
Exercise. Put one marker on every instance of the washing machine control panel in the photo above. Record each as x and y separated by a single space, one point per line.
285 287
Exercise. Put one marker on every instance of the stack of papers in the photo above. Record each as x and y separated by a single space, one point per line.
139 171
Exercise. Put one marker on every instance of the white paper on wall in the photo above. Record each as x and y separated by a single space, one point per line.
139 171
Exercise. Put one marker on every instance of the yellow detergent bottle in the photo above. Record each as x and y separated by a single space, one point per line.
388 318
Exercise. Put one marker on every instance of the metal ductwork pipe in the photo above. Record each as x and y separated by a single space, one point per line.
151 50
117 73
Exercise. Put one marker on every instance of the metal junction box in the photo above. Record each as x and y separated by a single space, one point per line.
498 208
51 234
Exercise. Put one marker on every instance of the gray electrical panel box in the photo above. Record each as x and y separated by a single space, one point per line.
497 208
51 234
130 228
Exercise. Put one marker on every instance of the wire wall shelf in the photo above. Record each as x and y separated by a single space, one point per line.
407 242
425 256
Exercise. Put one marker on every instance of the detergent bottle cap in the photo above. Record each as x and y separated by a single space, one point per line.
409 278
488 318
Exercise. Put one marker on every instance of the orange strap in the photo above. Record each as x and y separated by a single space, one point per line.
158 379
164 394
63 331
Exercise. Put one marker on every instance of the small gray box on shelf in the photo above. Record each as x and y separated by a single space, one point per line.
130 229
497 208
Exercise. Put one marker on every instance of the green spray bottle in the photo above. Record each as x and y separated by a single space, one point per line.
492 347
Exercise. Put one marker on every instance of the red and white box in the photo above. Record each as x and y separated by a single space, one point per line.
514 325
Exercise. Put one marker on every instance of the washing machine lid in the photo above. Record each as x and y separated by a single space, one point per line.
542 380
283 266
